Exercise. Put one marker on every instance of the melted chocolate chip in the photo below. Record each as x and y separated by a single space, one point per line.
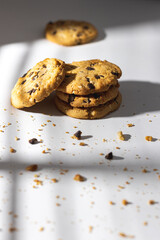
88 100
54 32
88 80
33 141
96 95
91 86
71 98
78 135
36 85
79 34
31 91
109 156
86 27
97 76
115 73
23 82
90 68
34 78
44 66
30 74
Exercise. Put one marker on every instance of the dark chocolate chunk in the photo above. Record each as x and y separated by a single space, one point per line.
71 98
31 91
86 27
97 76
109 156
33 141
78 135
96 95
90 68
115 73
88 80
91 86
24 75
54 32
50 23
23 82
79 34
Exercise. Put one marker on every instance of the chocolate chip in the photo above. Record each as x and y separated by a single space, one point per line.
79 34
44 66
101 76
33 141
89 100
86 27
97 76
50 23
67 76
109 156
31 91
96 95
34 100
88 80
34 78
24 75
71 98
115 73
54 32
91 86
23 82
36 85
30 74
78 135
90 68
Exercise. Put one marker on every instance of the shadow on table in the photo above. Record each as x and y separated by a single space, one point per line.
138 97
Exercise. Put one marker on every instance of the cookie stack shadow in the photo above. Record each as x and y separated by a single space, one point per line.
90 89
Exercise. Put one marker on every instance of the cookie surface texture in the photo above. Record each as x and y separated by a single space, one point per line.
70 33
89 113
91 76
38 83
91 100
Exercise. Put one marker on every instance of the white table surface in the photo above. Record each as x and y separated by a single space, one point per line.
129 37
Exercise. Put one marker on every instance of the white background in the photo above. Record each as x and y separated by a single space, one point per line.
129 36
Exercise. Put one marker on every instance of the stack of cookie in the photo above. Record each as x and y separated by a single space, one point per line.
86 89
89 89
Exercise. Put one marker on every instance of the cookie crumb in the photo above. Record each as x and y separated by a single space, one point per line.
79 178
77 135
17 139
130 125
82 144
144 170
145 223
90 229
125 202
151 202
117 147
32 168
62 149
149 138
54 180
38 182
41 229
12 150
122 234
12 229
58 204
53 124
120 136
109 156
111 203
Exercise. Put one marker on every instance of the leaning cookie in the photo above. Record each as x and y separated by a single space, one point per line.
91 76
38 83
89 113
91 100
69 32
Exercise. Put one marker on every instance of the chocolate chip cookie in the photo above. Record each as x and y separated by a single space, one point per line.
69 32
91 100
38 83
91 76
89 113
